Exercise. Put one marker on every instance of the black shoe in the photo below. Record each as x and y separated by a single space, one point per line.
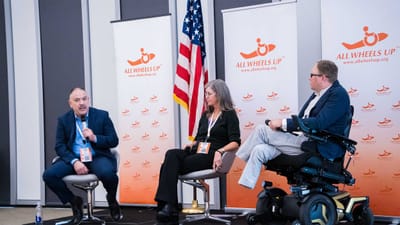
160 205
77 210
169 213
115 210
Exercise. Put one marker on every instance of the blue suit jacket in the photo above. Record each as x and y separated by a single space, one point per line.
101 125
331 113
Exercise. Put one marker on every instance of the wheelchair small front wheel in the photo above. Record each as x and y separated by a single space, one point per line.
251 219
296 222
363 215
318 209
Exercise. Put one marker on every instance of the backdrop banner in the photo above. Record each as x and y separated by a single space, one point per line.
365 45
144 70
261 72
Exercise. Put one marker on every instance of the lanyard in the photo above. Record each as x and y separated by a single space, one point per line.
80 133
211 124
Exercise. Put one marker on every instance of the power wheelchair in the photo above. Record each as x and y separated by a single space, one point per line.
315 197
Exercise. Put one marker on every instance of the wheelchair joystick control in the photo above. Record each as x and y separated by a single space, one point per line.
265 184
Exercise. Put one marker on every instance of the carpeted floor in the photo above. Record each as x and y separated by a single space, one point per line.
142 216
146 216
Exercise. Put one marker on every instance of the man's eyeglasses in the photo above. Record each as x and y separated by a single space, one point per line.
315 75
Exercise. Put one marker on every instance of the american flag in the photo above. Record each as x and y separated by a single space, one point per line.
191 70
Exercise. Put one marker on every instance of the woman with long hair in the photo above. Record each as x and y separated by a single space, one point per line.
218 132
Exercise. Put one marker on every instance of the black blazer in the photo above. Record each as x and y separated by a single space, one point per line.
101 125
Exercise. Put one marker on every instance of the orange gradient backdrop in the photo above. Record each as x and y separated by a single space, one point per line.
146 109
261 71
365 45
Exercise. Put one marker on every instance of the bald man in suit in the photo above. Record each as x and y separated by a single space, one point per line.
84 138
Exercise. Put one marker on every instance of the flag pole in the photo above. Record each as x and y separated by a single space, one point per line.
192 75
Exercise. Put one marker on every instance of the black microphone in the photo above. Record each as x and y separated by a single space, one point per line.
84 123
84 126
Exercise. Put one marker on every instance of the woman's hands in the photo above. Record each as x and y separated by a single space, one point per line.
188 147
217 163
218 159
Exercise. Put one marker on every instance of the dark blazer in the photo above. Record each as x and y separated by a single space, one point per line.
331 113
101 125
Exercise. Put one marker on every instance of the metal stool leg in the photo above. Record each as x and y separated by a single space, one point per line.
206 215
89 217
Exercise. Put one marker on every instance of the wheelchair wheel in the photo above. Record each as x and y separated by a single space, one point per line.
318 209
251 219
296 222
363 215
269 204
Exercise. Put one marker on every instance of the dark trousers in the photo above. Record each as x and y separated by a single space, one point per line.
177 162
104 168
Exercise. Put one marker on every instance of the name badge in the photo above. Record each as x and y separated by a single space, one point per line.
203 147
86 155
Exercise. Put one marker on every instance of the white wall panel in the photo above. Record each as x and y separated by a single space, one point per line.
28 103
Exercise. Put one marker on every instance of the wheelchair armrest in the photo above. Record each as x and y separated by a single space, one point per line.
303 128
324 136
337 137
313 134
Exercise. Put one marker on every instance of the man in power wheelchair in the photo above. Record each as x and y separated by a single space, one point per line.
314 198
312 161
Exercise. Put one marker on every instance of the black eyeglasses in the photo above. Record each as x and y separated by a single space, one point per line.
315 75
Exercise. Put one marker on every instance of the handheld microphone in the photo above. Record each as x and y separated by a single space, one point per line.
84 126
84 123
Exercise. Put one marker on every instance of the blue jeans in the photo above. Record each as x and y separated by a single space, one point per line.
262 145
